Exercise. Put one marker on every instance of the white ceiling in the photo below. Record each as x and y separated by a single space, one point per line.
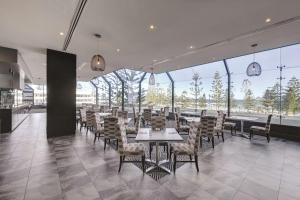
33 25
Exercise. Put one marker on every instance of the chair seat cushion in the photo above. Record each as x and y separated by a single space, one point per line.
134 149
182 149
131 130
230 124
257 128
184 128
100 130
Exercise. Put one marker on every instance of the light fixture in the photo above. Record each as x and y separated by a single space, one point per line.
191 47
254 68
98 62
61 33
152 27
154 60
118 50
268 20
152 78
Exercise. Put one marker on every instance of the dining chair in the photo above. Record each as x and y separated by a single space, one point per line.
231 126
207 126
264 130
147 114
110 130
181 129
98 128
203 113
114 111
190 147
89 120
158 123
219 128
133 130
82 118
128 149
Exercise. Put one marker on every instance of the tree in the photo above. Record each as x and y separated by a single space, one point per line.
233 103
184 100
196 88
202 101
275 95
268 100
291 98
249 101
217 91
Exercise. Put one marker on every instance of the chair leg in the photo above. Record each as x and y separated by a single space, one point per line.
190 157
95 137
213 142
174 165
121 161
87 129
150 150
218 135
231 130
222 134
167 151
268 137
143 163
196 163
200 142
105 143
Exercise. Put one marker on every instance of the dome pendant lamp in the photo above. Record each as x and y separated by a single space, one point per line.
98 62
152 78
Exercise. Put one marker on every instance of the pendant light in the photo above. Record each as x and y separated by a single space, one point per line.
98 62
254 68
152 78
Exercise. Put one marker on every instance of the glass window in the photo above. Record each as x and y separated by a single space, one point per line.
259 96
201 87
132 79
158 95
116 89
85 93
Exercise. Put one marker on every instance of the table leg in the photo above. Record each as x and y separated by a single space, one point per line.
242 126
242 134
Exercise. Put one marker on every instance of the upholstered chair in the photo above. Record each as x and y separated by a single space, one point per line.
263 130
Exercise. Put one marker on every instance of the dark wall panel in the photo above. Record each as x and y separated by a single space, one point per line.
61 93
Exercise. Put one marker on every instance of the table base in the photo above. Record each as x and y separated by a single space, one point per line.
158 165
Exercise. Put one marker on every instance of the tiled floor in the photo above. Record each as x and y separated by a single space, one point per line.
32 167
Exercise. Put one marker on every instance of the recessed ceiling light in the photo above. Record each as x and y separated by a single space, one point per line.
152 27
61 33
118 50
191 47
154 60
268 20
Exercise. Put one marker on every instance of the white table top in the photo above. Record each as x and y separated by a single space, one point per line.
192 119
243 118
103 114
148 135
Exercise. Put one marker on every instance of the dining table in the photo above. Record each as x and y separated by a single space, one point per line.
242 119
166 135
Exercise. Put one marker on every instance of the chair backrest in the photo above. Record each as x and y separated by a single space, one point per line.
121 137
138 123
147 114
158 122
220 120
177 110
268 124
193 138
96 121
203 113
123 114
114 111
89 118
207 125
102 109
83 114
166 111
110 127
177 121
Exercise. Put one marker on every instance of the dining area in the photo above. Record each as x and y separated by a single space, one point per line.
156 142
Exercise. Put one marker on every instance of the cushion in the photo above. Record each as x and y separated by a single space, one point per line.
232 124
182 149
257 128
131 130
134 149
